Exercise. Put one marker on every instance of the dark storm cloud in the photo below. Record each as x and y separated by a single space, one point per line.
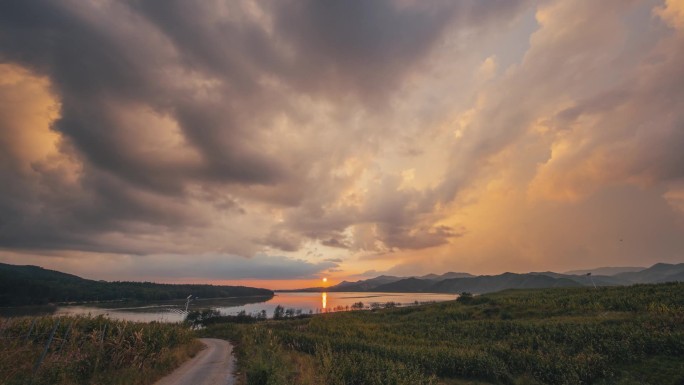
52 214
166 106
233 46
367 47
97 65
325 48
99 69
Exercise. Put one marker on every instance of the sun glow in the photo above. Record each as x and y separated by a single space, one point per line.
325 280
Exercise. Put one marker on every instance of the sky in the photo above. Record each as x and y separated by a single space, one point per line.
273 143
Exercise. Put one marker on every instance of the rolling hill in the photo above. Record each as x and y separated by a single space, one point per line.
33 285
481 284
459 282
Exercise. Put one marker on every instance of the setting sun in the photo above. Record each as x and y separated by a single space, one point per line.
325 279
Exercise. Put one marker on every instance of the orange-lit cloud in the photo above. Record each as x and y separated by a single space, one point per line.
28 108
672 12
290 140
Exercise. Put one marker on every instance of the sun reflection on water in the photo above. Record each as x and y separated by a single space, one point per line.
324 300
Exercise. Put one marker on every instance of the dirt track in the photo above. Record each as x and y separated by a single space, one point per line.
212 366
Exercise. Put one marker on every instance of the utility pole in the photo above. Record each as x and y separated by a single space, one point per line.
187 303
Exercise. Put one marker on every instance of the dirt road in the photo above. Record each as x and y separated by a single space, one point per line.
212 366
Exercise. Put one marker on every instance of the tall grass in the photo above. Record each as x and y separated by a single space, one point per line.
90 350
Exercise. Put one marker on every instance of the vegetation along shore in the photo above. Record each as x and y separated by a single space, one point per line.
609 335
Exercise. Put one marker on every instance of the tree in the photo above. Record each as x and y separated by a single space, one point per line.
465 297
261 315
279 312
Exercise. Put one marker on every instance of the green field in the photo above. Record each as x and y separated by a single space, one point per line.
87 350
616 335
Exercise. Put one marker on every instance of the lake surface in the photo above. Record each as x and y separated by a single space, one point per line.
174 311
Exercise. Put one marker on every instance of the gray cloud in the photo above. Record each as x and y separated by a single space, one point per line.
233 128
259 266
197 74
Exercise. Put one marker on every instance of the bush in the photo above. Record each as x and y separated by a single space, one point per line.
465 297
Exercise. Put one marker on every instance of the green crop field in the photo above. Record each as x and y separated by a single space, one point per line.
87 350
616 335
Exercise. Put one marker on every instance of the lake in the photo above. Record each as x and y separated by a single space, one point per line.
174 311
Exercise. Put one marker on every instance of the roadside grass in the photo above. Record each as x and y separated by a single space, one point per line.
616 335
90 350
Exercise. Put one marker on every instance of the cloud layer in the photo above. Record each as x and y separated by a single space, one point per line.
384 134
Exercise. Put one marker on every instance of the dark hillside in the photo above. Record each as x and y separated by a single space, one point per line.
408 285
660 272
481 284
33 285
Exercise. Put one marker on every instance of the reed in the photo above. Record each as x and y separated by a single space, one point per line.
90 350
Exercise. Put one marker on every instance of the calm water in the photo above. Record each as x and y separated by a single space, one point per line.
174 311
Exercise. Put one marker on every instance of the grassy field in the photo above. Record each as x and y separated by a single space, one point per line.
616 335
90 350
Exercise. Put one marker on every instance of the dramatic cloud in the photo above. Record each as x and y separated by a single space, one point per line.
343 136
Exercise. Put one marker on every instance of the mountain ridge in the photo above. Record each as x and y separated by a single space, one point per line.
459 282
34 285
606 270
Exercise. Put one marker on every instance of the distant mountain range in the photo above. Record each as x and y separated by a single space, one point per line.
33 285
384 280
606 270
460 282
